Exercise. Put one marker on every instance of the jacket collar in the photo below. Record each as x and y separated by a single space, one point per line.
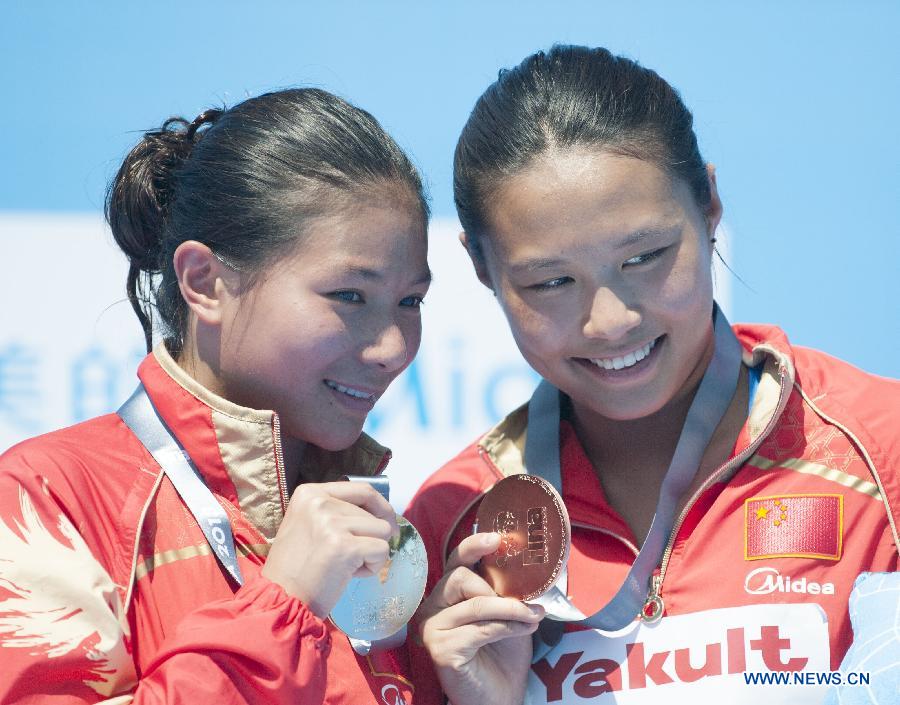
237 449
766 347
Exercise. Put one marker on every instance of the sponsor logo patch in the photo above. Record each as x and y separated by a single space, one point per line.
794 526
766 580
693 658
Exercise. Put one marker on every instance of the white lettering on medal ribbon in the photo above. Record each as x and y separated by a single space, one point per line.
217 534
699 657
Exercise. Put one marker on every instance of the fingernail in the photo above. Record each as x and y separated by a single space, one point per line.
491 539
536 610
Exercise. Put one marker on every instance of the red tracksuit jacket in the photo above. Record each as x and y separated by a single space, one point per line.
109 592
758 571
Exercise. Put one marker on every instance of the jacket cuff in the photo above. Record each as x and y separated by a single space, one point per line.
292 613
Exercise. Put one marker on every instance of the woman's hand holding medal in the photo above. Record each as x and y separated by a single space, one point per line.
480 643
476 625
331 532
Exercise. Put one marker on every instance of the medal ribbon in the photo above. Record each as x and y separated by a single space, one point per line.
706 411
141 417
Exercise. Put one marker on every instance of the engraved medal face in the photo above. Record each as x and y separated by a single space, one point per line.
534 533
378 606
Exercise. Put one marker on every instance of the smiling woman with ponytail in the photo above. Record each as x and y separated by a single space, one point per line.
691 455
277 264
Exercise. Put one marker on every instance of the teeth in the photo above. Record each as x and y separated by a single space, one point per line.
620 363
350 391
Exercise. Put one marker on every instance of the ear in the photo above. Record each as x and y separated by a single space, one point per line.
714 210
204 281
477 261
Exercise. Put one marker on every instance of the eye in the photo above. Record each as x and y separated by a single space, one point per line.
644 258
552 284
348 295
413 301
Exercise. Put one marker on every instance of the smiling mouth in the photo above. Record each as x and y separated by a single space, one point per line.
351 392
625 361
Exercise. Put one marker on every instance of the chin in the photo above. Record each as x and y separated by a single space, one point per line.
327 435
332 444
632 410
334 439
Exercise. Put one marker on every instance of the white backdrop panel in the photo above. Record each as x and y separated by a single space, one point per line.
69 344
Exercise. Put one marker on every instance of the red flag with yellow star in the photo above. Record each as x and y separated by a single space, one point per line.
794 525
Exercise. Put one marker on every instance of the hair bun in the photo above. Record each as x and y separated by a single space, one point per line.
207 117
138 199
138 202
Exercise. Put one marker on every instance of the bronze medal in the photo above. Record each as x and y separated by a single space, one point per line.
535 536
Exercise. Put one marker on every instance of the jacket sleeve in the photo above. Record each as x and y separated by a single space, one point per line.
65 637
262 646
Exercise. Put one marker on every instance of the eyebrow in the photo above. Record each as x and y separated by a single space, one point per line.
531 265
374 274
639 235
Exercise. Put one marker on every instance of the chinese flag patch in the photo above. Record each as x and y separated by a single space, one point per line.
794 526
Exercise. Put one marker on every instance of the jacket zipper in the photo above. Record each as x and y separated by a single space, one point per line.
279 462
654 606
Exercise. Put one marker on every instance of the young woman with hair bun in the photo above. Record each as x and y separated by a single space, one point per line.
724 487
278 251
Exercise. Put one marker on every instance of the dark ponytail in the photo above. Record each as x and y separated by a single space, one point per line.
243 181
571 96
137 206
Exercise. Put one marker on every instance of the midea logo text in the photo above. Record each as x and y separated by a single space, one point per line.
766 580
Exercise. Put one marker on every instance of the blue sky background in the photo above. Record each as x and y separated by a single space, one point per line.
796 103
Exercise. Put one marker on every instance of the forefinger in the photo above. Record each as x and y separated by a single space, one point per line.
471 550
363 496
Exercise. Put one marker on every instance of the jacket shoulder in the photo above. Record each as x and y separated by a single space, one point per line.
443 500
845 395
96 474
100 450
445 497
452 487
865 403
822 375
864 407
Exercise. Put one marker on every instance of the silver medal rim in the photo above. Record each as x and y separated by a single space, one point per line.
343 613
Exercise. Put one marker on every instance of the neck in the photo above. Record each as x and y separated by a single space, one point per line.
609 442
637 453
292 453
616 448
199 358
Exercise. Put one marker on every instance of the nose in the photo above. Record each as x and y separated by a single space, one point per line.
389 349
609 316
